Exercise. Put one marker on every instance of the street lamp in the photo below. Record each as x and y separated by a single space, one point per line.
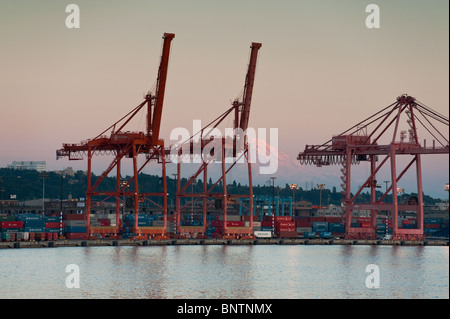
294 187
320 187
446 188
43 175
273 192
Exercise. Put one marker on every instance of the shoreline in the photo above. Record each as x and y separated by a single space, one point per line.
231 242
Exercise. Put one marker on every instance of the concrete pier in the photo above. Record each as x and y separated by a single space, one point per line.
232 242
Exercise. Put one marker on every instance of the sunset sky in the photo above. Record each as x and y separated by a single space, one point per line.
320 71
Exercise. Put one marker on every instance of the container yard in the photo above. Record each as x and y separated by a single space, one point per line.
35 230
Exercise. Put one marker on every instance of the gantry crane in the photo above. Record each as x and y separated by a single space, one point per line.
236 150
122 143
358 144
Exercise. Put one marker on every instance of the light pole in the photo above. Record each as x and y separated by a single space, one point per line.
61 196
294 187
273 192
43 175
320 187
386 183
446 188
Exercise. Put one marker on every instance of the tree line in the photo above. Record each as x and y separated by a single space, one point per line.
25 185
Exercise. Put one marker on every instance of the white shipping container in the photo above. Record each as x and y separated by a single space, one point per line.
263 234
77 223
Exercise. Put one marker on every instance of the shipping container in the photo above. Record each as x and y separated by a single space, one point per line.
309 235
263 234
287 234
11 224
74 217
267 224
330 219
435 226
76 235
303 223
75 229
6 236
75 223
7 218
34 229
325 235
28 217
53 225
284 224
11 230
235 224
432 221
365 224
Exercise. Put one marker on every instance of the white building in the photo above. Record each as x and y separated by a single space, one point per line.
32 165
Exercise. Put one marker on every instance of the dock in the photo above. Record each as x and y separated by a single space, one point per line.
230 242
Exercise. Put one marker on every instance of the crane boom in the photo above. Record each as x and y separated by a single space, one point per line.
160 88
248 90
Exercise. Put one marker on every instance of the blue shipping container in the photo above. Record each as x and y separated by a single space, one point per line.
75 229
34 229
325 234
34 223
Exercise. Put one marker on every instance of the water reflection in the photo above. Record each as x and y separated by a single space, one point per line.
240 272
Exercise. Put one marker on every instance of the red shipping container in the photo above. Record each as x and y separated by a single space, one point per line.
285 229
303 223
53 225
76 235
365 224
287 234
285 224
334 220
104 222
74 217
316 219
436 226
235 224
217 223
12 224
267 224
283 218
363 219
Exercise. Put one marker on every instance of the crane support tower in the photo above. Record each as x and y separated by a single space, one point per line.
215 196
362 142
121 144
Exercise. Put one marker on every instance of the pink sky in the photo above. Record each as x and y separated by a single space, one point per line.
320 70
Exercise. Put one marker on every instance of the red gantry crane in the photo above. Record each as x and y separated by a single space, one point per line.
122 143
230 152
362 143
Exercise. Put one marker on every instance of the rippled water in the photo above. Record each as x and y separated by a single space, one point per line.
193 272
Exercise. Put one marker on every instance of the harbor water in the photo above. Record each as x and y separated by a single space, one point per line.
224 272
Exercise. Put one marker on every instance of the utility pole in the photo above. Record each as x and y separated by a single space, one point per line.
320 187
273 193
43 175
